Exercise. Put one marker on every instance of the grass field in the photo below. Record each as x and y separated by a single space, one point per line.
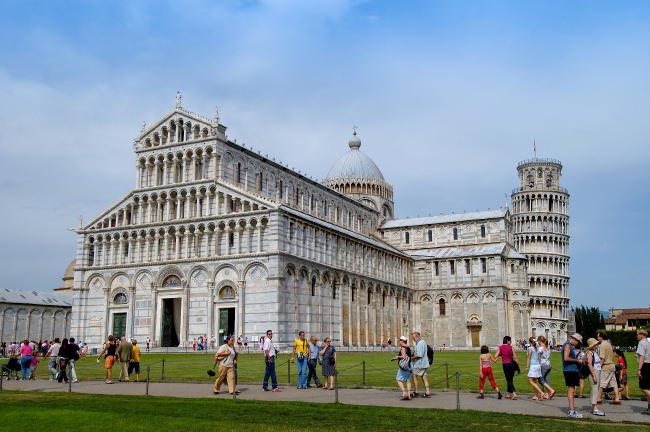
380 372
78 412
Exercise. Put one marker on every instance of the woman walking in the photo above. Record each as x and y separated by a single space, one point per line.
109 359
533 368
64 356
26 360
328 354
593 363
510 365
545 363
404 370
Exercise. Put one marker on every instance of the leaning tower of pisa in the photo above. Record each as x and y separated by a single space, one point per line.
540 223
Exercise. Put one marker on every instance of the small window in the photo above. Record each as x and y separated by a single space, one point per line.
483 265
369 296
442 307
452 267
313 287
437 267
383 300
455 233
231 239
334 288
512 268
430 235
238 172
407 238
291 228
261 182
281 190
311 203
297 196
483 231
354 294
468 267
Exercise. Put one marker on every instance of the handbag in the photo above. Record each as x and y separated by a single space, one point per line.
405 363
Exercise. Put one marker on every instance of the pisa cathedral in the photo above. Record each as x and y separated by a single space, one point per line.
217 238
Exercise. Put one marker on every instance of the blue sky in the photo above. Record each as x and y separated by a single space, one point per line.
448 97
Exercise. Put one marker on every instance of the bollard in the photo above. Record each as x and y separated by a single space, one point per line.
146 390
288 372
336 386
163 370
447 373
234 391
363 376
457 391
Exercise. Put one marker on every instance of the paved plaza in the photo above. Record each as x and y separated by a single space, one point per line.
629 411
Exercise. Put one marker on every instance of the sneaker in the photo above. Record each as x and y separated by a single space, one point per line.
575 414
499 395
265 389
75 380
646 411
598 413
57 376
277 390
480 396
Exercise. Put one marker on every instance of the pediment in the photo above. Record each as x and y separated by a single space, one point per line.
178 126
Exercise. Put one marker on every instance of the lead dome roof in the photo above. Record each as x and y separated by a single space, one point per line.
354 165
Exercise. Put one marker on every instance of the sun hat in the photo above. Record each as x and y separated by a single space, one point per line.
577 337
403 338
591 342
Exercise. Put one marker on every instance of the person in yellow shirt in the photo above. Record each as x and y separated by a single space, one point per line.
135 360
301 347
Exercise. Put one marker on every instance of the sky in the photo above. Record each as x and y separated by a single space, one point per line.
448 97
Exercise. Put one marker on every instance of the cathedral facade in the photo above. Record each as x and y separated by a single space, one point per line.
219 239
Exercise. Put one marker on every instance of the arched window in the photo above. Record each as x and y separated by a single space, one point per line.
313 287
369 296
334 288
442 307
407 238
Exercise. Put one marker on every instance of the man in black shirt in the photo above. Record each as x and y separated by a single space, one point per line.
73 349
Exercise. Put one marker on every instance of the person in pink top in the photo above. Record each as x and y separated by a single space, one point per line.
510 365
32 366
26 360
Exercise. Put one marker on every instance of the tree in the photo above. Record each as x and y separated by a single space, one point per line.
588 321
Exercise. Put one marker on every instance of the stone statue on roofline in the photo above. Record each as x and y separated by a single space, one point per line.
178 99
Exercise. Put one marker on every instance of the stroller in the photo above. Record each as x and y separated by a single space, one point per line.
11 368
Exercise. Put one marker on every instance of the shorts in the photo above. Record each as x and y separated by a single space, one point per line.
109 362
607 379
644 382
535 371
134 366
623 379
572 379
420 371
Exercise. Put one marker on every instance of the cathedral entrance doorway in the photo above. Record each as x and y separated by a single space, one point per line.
226 322
119 325
171 321
476 337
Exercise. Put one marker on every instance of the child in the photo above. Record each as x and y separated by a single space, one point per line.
33 365
486 372
622 373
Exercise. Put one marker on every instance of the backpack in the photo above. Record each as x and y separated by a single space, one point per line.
430 354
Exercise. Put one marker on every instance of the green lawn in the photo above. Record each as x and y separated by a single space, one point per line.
380 372
74 412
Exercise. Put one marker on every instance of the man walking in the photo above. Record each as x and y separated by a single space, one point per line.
148 343
269 361
570 365
420 365
124 356
608 369
53 353
643 371
301 347
312 362
135 361
73 353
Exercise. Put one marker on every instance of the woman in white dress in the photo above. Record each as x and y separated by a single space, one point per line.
533 368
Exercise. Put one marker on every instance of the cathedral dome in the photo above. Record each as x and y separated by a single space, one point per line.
354 165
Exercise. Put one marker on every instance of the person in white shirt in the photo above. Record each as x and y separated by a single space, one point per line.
269 360
53 353
643 371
